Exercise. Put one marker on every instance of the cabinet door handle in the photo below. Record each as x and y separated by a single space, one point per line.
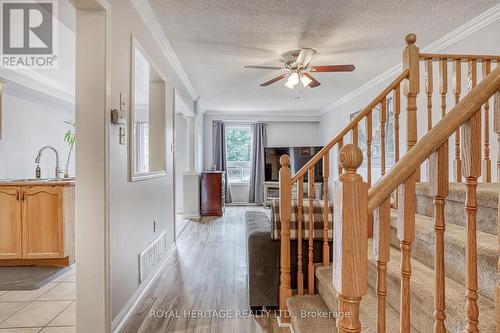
22 195
18 195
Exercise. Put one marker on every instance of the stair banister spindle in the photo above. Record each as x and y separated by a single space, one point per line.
381 253
471 167
486 167
406 235
310 234
285 198
457 88
443 84
326 211
350 239
369 148
369 138
428 91
382 120
397 112
341 144
496 128
300 231
411 88
355 135
438 182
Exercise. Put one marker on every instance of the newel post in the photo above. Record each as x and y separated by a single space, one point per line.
411 88
285 197
350 239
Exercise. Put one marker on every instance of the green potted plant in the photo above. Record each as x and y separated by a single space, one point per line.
69 138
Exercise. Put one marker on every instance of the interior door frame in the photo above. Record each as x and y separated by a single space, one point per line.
181 107
92 170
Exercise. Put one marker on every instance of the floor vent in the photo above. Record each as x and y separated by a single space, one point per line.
150 256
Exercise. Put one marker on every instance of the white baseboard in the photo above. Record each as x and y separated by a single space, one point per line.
128 309
188 216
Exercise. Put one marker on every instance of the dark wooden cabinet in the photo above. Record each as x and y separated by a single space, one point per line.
212 192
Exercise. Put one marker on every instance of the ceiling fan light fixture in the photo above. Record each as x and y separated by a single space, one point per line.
292 81
305 80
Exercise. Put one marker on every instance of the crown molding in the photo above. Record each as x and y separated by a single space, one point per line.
149 18
181 106
281 116
33 80
465 30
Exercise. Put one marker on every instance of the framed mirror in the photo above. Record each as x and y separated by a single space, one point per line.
147 121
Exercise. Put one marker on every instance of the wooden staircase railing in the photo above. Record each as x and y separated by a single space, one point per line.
286 181
362 210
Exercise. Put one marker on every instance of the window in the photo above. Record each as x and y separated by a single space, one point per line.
239 153
142 146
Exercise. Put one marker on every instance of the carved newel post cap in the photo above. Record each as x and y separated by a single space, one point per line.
284 160
411 39
350 157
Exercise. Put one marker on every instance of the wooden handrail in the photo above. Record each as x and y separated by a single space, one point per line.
319 155
431 141
462 57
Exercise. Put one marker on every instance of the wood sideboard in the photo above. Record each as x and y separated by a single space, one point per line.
212 193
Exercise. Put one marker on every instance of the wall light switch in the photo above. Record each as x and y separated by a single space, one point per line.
123 136
123 102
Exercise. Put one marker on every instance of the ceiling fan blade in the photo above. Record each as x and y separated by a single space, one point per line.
332 68
264 67
314 83
281 77
305 56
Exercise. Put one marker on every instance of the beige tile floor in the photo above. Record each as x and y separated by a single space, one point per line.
50 309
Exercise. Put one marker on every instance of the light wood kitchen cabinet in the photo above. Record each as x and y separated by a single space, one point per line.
42 222
10 222
39 224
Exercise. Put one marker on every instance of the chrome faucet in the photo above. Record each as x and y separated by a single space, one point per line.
39 156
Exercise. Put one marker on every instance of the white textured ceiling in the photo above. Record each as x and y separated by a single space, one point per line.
215 39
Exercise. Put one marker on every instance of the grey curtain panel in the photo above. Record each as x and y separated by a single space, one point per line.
219 152
257 174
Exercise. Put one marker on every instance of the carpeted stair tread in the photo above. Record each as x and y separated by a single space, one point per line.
309 314
422 296
368 308
455 245
487 200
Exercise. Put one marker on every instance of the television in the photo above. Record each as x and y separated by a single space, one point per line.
299 156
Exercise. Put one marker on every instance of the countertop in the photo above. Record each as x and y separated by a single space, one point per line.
37 182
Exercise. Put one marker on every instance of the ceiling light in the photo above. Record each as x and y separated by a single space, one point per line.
292 81
305 80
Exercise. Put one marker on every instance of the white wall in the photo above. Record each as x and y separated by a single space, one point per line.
484 41
134 205
31 121
180 160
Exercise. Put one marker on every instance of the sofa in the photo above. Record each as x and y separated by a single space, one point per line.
263 261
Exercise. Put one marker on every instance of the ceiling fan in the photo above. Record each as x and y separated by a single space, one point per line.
298 69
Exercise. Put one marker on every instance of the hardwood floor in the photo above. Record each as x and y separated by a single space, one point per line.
203 287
